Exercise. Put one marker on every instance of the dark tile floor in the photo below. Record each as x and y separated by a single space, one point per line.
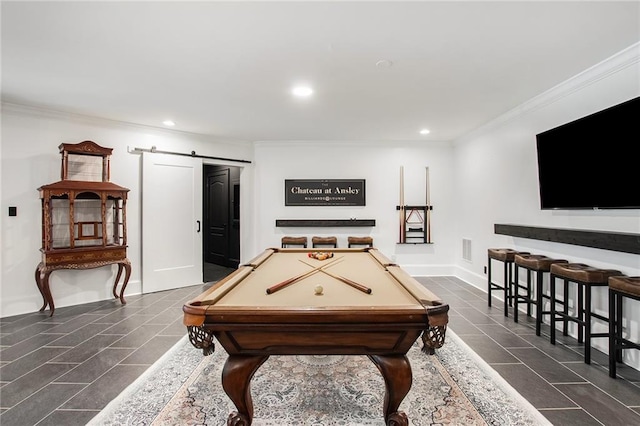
553 378
64 369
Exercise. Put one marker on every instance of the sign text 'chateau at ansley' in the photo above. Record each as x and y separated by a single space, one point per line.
324 192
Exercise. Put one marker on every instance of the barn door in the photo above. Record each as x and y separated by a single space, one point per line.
171 222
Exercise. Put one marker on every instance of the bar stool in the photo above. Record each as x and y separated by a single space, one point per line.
538 264
507 256
294 241
324 241
619 288
585 277
360 241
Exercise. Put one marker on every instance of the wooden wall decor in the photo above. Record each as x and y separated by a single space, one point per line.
83 219
325 192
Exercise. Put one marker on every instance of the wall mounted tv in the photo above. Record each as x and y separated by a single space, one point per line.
593 162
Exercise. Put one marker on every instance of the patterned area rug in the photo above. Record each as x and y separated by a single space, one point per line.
453 387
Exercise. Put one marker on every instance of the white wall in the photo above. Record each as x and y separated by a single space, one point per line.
496 182
379 164
30 158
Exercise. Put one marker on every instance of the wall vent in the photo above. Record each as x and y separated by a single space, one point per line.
466 249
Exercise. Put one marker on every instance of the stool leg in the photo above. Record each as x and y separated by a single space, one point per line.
552 309
529 295
565 325
507 288
539 301
613 324
618 335
489 280
510 282
515 299
581 311
587 325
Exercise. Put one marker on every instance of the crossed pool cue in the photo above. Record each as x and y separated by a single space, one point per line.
352 283
291 280
320 268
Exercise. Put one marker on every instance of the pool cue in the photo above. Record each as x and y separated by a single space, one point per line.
291 280
428 215
353 284
402 214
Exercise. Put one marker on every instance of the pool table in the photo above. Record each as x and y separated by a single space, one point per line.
284 302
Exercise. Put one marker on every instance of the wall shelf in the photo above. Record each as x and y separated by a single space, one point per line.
316 223
614 241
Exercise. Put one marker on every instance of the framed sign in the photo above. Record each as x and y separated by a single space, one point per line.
324 192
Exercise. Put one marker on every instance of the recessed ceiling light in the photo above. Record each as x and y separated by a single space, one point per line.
425 131
168 123
302 91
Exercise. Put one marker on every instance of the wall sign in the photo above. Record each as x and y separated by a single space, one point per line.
324 192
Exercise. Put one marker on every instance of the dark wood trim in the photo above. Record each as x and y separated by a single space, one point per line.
615 241
315 223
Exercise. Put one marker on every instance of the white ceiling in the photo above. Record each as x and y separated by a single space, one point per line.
225 69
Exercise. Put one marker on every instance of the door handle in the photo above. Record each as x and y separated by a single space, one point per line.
198 225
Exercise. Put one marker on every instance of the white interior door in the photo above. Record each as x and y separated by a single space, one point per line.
171 221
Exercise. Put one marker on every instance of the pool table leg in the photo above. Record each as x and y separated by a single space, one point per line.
396 372
236 380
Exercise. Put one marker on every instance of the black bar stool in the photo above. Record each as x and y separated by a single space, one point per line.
585 277
619 288
538 264
360 241
507 257
294 241
324 241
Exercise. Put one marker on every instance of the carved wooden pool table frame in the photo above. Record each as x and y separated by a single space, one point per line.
250 334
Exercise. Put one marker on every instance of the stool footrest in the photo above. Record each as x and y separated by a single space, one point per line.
600 317
627 344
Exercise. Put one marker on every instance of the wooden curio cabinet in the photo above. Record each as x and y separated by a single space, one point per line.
83 218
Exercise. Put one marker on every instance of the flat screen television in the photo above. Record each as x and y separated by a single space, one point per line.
592 162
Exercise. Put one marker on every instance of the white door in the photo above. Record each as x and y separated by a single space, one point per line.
171 222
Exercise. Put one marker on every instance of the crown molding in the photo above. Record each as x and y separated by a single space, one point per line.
40 111
624 59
